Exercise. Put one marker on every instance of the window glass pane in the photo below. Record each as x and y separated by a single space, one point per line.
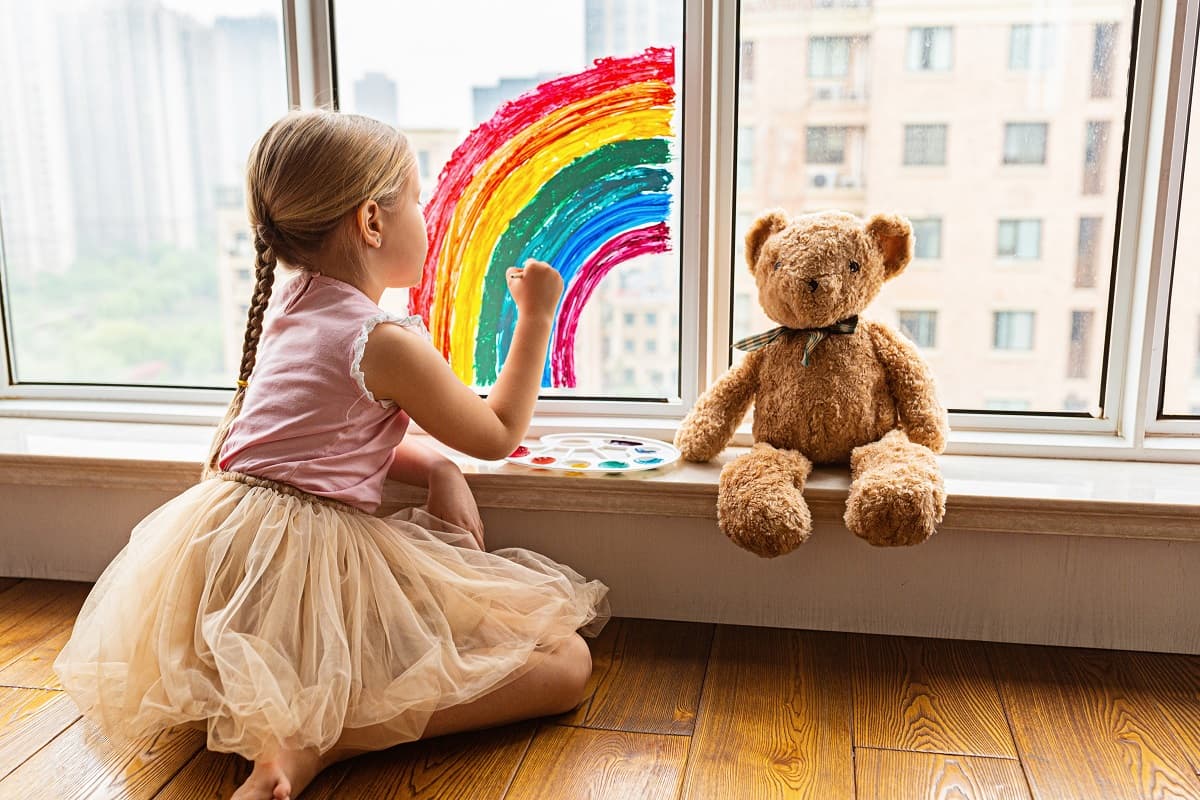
123 142
991 235
920 326
1181 378
1025 143
538 150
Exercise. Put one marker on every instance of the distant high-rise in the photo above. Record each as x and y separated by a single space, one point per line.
375 96
38 231
624 27
486 99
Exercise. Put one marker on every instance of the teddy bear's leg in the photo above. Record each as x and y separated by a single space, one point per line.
896 492
759 505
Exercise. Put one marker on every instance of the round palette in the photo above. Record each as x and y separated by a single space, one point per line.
595 452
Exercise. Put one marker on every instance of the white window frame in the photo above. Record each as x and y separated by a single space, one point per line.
1129 428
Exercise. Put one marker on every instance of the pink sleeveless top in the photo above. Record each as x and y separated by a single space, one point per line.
307 418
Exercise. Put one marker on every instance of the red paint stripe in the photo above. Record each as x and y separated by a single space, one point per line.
655 63
629 244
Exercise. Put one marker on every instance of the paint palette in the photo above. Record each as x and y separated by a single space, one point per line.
595 452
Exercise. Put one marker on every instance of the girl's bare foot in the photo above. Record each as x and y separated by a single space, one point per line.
282 778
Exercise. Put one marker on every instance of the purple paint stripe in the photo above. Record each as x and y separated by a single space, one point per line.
623 247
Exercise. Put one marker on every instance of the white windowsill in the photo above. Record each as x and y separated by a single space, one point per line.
1123 499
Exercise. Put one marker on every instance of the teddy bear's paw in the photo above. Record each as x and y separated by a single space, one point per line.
768 520
894 506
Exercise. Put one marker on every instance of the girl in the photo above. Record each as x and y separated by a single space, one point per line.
267 605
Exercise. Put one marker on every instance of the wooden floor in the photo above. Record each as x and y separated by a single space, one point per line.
693 711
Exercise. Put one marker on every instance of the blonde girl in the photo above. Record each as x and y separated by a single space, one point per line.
268 605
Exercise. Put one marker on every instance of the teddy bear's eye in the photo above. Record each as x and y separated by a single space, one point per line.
854 267
778 264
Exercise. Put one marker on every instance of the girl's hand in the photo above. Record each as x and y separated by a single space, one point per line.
450 499
535 289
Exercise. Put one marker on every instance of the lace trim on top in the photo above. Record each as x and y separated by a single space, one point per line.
413 322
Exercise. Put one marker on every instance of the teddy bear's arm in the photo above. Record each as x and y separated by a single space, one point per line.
710 424
912 386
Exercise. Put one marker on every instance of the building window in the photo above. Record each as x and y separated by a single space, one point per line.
1006 404
927 237
1085 258
826 145
828 56
745 158
1019 239
924 145
630 318
930 49
1031 47
1081 336
651 345
1095 148
1025 143
651 318
746 61
1012 330
630 346
920 326
1102 59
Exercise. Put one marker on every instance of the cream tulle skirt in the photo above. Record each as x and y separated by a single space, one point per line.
275 622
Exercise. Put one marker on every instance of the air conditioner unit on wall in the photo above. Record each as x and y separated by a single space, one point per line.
823 177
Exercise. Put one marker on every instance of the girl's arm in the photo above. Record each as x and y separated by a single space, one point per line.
418 465
402 367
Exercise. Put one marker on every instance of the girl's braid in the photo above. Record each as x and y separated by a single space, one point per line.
264 273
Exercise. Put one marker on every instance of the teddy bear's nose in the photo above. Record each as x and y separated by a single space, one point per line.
813 285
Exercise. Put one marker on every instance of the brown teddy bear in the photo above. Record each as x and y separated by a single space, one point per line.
827 389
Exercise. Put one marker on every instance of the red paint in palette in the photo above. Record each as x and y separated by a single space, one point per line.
519 452
543 460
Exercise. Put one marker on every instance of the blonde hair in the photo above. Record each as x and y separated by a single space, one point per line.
305 178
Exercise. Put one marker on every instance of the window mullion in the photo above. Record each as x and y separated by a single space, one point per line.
723 180
1163 191
308 51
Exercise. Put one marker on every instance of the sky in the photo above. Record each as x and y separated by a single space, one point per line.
436 51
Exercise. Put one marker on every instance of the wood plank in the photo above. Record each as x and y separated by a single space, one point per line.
30 718
653 679
602 648
928 695
891 774
1084 729
34 669
577 763
1173 683
208 776
81 763
775 717
8 583
27 633
27 597
479 765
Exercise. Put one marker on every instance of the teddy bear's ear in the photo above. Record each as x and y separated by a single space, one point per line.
893 236
761 230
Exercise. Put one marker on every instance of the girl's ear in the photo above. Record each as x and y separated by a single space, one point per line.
370 223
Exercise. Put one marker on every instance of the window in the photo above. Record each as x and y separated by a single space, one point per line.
1081 332
1025 143
522 116
1032 47
651 318
924 145
630 318
651 346
1020 239
920 326
1085 260
1093 160
1102 59
1012 330
122 142
828 56
930 49
927 238
826 145
1006 404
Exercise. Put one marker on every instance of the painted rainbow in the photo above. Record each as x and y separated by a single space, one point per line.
571 173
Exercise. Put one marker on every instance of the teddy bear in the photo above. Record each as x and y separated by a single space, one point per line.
827 388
